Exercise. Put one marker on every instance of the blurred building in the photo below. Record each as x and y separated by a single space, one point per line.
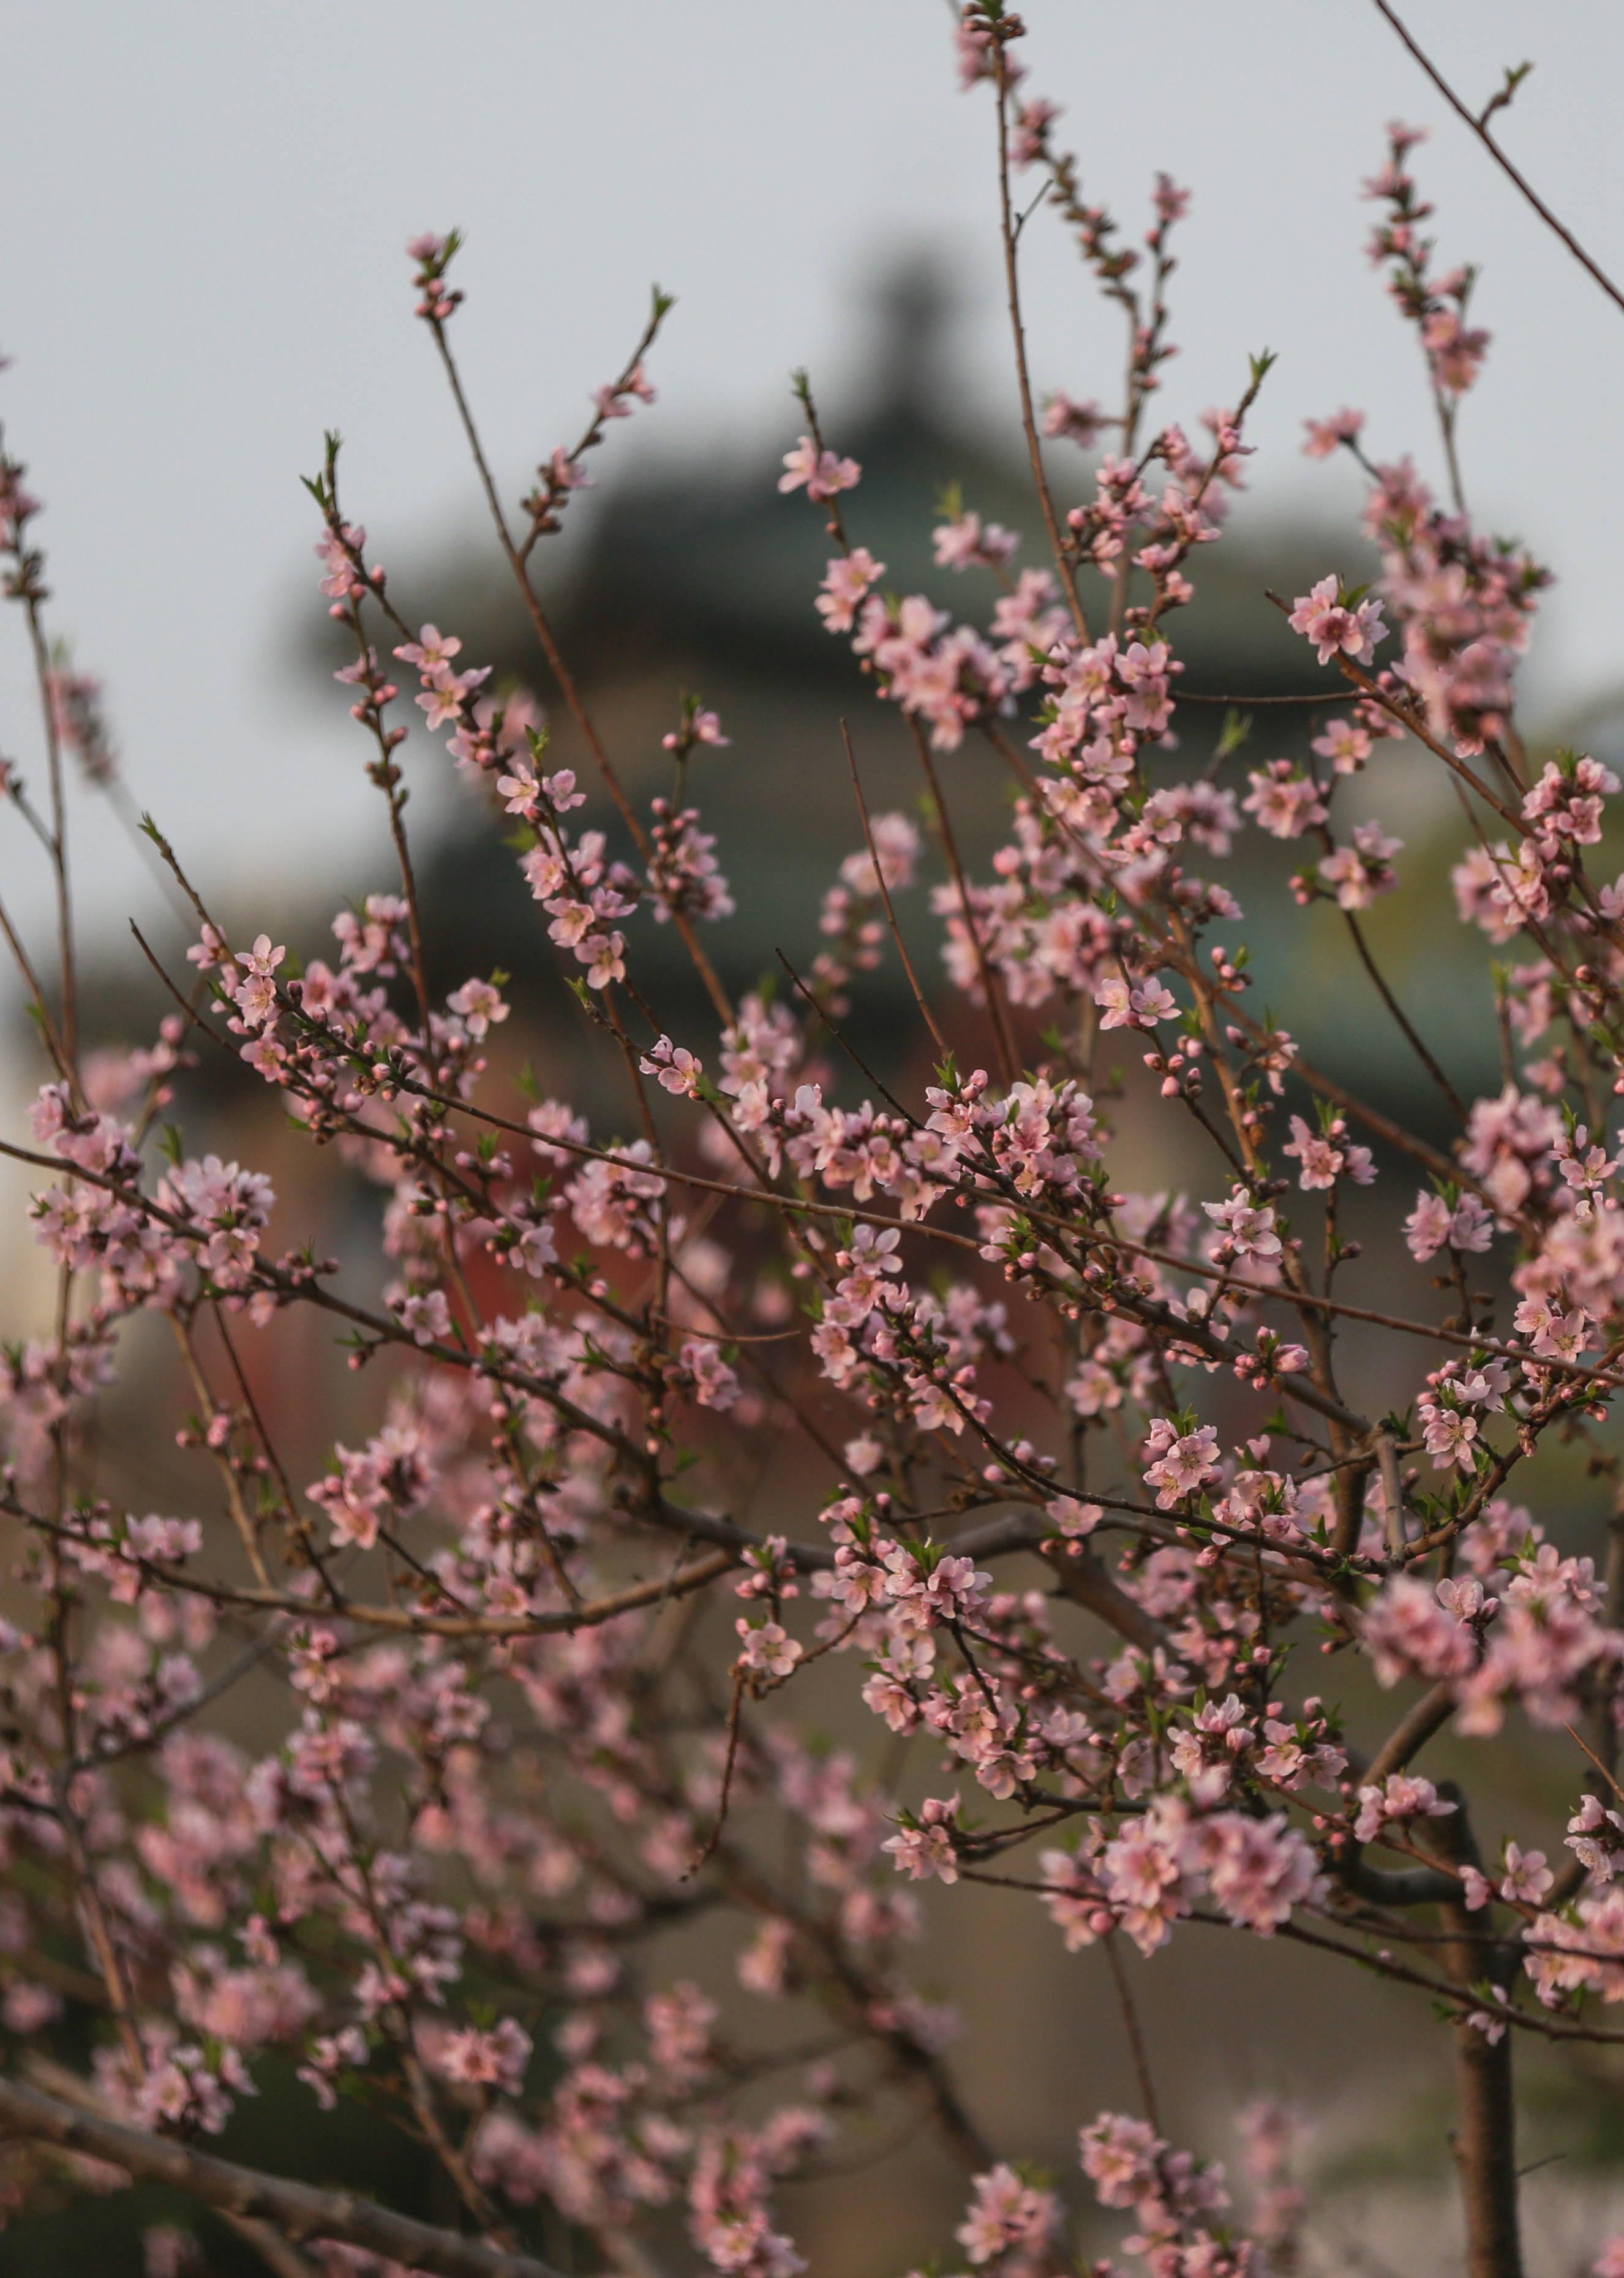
697 576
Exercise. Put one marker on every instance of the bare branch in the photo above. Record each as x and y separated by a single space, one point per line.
298 2210
1479 124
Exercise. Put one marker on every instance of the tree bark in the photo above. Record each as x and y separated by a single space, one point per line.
1485 2138
1485 2149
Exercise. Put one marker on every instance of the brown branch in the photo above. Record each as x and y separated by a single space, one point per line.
1477 123
519 563
1406 1143
66 954
298 2210
1029 425
1394 1133
1245 703
1087 1583
1485 2138
1411 1734
925 1013
1008 1061
734 1717
1412 1034
422 1622
1130 2025
48 1028
854 1212
821 1013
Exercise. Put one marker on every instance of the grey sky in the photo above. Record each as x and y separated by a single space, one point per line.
201 268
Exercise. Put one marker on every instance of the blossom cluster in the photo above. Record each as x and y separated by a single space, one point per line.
1065 1474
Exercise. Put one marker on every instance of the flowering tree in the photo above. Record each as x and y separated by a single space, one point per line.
1098 1474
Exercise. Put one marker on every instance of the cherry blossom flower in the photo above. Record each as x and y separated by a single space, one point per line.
821 472
1335 628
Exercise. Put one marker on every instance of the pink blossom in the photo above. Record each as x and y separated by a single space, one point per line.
848 578
1325 435
479 1005
966 539
1337 630
1358 872
1248 1230
1080 423
716 1384
768 1649
674 1066
496 2059
1180 1464
823 472
1007 2217
1401 1797
1286 802
925 1847
1527 1879
1133 1005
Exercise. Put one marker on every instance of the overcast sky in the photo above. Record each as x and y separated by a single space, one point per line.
202 269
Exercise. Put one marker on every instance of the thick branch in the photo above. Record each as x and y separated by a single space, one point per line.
1399 1886
298 2210
1086 1582
1485 2139
1411 1734
1485 2149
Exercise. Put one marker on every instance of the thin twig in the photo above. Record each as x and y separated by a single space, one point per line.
1029 425
1477 123
847 1046
568 688
1130 2024
734 1715
925 1013
1008 1062
1411 1034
